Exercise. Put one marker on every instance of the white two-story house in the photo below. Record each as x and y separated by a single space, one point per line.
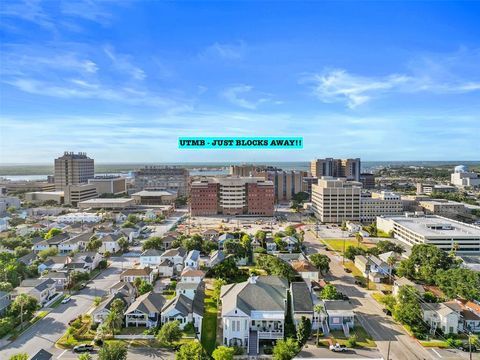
176 257
151 257
254 311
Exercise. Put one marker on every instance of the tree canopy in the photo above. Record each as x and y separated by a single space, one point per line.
285 349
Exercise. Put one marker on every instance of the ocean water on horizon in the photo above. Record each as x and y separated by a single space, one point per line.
40 172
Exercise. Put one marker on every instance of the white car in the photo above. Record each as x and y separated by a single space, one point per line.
338 348
66 300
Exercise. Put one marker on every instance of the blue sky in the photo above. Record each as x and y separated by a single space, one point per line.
122 80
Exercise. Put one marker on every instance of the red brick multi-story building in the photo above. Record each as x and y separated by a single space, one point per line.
232 196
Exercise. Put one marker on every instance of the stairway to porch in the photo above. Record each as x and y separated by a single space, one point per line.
253 344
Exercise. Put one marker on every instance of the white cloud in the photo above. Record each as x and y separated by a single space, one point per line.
448 74
234 51
123 64
237 95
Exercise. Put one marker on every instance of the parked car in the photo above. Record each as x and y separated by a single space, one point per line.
66 299
338 348
83 348
466 347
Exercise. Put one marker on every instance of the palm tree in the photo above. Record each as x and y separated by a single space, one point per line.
113 321
359 238
318 309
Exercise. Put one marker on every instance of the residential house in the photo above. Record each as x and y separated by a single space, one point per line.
40 289
443 316
54 263
216 257
75 243
165 268
271 245
151 257
210 234
4 302
185 311
189 289
85 261
403 281
193 259
54 241
291 243
145 310
306 269
391 254
121 218
28 259
126 289
340 315
103 309
110 244
302 305
176 256
61 279
168 240
130 233
191 275
374 268
254 311
130 275
224 237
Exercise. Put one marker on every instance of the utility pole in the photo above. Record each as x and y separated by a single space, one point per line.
470 344
388 351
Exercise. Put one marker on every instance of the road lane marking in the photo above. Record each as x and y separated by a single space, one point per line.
64 351
436 352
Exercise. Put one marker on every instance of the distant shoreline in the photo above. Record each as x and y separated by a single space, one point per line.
41 171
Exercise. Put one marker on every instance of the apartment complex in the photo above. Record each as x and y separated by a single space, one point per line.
287 183
431 229
162 178
336 200
339 168
232 196
379 204
109 184
73 169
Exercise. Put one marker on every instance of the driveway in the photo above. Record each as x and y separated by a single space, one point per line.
369 313
44 333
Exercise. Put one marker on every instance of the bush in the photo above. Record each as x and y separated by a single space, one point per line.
94 326
6 325
238 350
189 328
268 350
98 342
454 343
352 341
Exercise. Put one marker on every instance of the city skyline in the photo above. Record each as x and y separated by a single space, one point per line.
383 82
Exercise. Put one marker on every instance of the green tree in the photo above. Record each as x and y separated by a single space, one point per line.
321 262
191 351
233 247
290 231
223 353
154 242
94 244
42 255
384 246
427 259
85 357
285 349
459 282
261 236
144 287
169 333
359 238
352 251
304 329
123 243
389 301
217 288
113 351
52 232
318 309
133 218
6 286
274 266
408 310
23 306
114 319
19 356
329 292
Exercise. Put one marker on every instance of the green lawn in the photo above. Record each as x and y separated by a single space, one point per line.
363 338
434 343
209 324
337 244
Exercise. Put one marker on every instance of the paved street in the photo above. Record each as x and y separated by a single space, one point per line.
134 353
369 314
47 331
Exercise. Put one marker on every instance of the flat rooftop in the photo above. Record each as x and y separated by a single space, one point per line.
433 226
147 193
107 200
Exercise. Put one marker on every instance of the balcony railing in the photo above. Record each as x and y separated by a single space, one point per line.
270 334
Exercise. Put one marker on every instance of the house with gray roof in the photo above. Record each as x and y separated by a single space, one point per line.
216 257
151 257
145 310
373 267
254 311
444 316
103 309
185 310
176 256
40 289
193 259
302 303
340 315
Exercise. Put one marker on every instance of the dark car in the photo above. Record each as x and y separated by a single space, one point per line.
466 348
387 312
83 348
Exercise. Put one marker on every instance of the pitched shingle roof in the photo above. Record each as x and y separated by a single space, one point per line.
301 297
147 303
